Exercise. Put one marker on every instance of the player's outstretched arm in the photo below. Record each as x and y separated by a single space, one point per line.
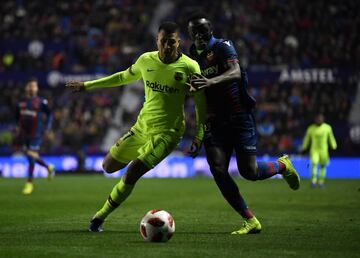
233 73
117 79
133 73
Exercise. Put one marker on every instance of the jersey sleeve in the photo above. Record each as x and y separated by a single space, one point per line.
194 67
332 140
46 109
307 139
133 73
227 52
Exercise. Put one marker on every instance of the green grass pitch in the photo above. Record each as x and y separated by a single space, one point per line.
52 222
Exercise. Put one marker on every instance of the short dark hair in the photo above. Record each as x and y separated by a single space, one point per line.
32 79
197 14
169 27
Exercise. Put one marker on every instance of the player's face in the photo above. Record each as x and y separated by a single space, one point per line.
200 32
168 45
32 88
319 119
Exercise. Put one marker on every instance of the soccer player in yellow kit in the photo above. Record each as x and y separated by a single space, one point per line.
161 121
318 137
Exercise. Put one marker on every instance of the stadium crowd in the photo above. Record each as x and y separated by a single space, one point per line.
76 124
85 36
296 33
107 36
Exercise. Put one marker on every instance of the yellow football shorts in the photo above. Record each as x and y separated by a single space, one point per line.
319 157
151 149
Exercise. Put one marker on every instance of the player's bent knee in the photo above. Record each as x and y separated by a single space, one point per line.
107 168
111 168
250 177
249 174
111 165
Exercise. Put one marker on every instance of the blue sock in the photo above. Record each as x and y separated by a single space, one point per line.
41 162
231 193
31 168
267 169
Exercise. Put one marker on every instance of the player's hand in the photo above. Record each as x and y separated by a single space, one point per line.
198 81
194 148
75 86
191 87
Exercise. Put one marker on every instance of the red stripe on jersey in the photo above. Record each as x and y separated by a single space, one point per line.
232 60
33 125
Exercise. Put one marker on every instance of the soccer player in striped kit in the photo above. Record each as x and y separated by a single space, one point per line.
30 113
230 123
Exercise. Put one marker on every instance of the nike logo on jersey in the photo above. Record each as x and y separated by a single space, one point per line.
150 70
227 43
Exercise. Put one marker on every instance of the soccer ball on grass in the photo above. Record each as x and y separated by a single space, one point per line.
157 226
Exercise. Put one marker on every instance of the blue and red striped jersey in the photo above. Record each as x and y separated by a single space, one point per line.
227 98
31 116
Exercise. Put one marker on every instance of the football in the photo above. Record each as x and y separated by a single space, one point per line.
157 226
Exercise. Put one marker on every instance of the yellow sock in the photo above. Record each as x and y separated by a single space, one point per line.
118 195
322 175
313 173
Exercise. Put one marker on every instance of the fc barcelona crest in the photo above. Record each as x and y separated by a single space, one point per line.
178 76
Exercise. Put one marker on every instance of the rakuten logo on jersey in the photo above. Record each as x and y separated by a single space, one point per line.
155 86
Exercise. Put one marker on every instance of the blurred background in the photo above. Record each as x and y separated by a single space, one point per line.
302 58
